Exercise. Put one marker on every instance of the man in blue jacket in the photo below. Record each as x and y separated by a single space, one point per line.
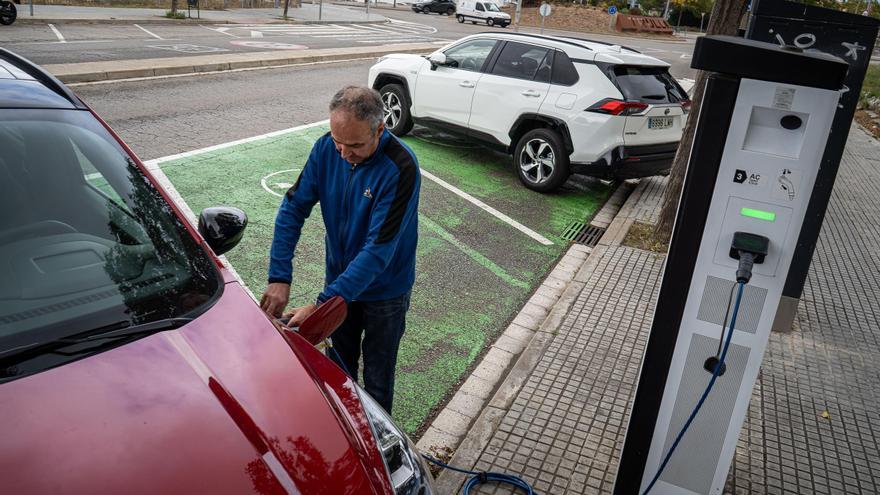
367 182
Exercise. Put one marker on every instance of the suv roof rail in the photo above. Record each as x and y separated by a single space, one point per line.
603 43
530 35
42 76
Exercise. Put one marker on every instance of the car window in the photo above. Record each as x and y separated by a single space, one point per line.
648 84
480 7
544 70
470 55
491 7
519 60
86 241
564 72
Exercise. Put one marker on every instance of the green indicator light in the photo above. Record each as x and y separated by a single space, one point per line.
768 216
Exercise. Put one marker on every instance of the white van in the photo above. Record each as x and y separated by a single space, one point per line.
481 11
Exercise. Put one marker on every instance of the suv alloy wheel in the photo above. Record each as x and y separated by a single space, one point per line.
396 103
541 160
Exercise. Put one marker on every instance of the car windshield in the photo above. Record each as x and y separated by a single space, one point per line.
491 7
86 241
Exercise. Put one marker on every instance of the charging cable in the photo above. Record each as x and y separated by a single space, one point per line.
715 373
479 477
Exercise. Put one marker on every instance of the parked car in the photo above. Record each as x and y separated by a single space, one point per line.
437 6
482 12
131 359
559 105
8 12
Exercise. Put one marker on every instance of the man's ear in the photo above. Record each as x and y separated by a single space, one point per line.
381 129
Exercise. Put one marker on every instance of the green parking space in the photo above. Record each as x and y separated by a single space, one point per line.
474 269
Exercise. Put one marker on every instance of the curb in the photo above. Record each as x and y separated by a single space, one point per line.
157 21
467 422
158 67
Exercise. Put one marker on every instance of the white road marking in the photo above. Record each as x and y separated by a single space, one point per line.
497 214
256 34
57 33
153 164
154 35
221 30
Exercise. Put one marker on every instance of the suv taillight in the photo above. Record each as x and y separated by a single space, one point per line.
611 106
686 106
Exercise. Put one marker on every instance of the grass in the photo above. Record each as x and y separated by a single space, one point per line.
870 89
641 236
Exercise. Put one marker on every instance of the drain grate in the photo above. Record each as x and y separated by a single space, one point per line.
581 233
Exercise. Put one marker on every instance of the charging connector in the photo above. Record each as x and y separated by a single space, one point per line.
749 249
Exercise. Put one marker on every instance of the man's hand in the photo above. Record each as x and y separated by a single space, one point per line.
297 315
275 298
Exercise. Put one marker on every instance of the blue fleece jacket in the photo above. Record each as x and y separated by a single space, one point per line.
370 213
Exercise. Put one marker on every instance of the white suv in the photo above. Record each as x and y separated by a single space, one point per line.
558 105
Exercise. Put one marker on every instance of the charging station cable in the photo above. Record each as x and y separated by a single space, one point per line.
740 285
479 477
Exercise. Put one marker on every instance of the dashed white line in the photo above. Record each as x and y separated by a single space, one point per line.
57 33
154 35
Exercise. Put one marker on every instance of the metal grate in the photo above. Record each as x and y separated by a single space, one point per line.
581 233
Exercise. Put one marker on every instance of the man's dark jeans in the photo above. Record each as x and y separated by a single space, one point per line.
382 324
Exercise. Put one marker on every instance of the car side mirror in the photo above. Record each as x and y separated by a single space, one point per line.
437 60
222 227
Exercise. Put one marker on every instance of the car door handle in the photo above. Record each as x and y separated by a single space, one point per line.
466 84
531 93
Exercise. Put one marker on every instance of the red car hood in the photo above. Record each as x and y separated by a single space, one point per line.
222 405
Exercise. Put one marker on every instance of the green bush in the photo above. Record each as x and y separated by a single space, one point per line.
870 97
175 15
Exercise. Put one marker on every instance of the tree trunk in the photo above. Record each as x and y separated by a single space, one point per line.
286 5
725 19
173 7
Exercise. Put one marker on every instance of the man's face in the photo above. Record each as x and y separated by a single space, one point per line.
354 139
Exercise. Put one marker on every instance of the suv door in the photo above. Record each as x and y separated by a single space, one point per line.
445 93
517 84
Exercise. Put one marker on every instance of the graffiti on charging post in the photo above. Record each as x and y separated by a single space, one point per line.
827 42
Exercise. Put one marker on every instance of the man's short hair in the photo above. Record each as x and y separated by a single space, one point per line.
360 102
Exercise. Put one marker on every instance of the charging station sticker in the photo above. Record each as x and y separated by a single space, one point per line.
783 98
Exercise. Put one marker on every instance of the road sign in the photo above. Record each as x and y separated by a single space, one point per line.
612 10
544 10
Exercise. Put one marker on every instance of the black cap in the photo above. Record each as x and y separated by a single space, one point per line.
768 62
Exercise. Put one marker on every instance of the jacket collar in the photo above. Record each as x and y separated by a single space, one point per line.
380 149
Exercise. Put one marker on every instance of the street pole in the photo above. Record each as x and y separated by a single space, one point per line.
666 11
32 8
542 24
320 8
516 16
702 15
678 25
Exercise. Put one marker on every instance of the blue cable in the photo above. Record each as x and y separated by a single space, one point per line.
705 393
479 477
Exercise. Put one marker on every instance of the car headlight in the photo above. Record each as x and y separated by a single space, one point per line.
406 468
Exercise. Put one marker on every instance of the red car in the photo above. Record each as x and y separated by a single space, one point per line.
131 361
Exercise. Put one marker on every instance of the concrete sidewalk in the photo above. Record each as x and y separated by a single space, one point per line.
559 417
85 72
308 13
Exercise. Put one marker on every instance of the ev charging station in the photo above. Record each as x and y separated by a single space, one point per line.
764 121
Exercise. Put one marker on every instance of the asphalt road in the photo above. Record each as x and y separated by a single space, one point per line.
82 42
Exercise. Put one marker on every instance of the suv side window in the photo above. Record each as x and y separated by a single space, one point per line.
480 7
564 72
470 55
519 60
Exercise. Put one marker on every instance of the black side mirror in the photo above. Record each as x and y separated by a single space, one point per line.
222 227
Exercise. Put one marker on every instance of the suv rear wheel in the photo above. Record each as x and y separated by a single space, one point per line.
460 18
490 22
541 160
397 118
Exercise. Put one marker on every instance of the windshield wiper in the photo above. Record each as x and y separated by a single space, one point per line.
114 333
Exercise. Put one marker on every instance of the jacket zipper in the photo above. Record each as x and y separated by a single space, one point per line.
345 215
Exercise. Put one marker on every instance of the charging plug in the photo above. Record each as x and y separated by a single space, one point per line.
748 249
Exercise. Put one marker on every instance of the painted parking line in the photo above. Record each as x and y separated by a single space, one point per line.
57 33
154 35
480 204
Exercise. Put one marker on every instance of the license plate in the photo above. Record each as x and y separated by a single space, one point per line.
659 122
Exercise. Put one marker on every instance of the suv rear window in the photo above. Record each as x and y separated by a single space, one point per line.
648 84
564 72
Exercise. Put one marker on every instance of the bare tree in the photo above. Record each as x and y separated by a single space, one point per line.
725 19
